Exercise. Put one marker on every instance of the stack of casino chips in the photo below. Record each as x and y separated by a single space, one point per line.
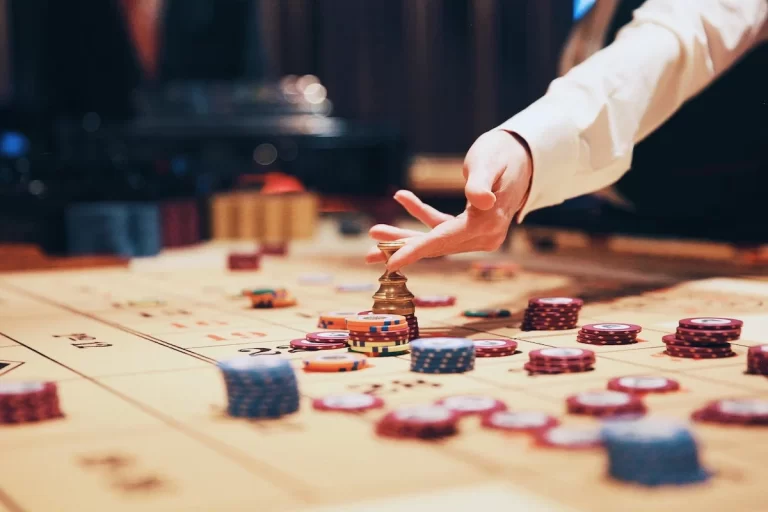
346 362
757 360
260 387
560 360
266 298
494 348
552 314
607 403
442 355
323 340
243 261
379 335
22 402
652 452
703 338
734 411
609 334
421 421
493 270
335 319
413 326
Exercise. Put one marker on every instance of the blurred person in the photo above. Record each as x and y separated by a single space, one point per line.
580 137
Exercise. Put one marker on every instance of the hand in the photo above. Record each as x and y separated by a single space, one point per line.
497 170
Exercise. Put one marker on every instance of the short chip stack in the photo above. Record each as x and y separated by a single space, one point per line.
413 326
334 363
495 348
323 340
23 402
379 335
703 338
735 411
609 334
266 298
243 261
442 355
493 270
604 404
421 421
560 360
552 314
757 360
260 387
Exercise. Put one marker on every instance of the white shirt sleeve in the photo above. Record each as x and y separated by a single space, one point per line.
582 132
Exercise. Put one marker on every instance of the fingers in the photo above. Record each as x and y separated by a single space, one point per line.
483 166
385 233
375 256
423 212
440 241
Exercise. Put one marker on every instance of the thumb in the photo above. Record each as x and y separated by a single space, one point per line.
481 177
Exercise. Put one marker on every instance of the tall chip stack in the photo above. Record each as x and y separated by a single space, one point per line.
260 387
378 335
393 296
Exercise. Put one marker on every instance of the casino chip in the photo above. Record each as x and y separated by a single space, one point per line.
551 314
442 355
493 270
560 360
28 401
304 344
757 360
334 362
652 452
569 438
696 350
465 405
349 402
434 301
379 335
643 384
422 421
711 323
260 387
494 348
519 421
271 298
739 411
329 336
334 319
243 261
605 404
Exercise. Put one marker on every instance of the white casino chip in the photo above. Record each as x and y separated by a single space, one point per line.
744 407
332 335
643 382
519 419
349 401
469 403
556 300
20 388
424 413
604 398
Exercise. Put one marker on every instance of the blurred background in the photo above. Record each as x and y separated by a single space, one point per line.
167 105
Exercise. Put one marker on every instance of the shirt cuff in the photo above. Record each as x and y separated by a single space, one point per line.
553 141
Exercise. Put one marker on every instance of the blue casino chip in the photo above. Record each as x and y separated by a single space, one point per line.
442 355
652 452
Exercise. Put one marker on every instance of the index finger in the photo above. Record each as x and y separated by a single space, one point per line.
438 242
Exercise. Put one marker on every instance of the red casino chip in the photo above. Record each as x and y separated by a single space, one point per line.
719 335
555 302
643 384
494 348
588 341
630 337
699 353
465 405
28 401
519 421
569 438
672 340
303 344
553 369
613 328
757 360
605 404
422 421
329 336
711 323
244 261
740 411
348 402
434 301
376 340
558 355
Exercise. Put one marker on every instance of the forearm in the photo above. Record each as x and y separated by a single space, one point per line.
581 134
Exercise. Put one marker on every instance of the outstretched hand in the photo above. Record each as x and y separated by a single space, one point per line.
497 170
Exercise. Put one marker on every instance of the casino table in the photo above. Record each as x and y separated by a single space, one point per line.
135 355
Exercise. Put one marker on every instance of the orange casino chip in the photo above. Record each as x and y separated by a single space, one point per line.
335 362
